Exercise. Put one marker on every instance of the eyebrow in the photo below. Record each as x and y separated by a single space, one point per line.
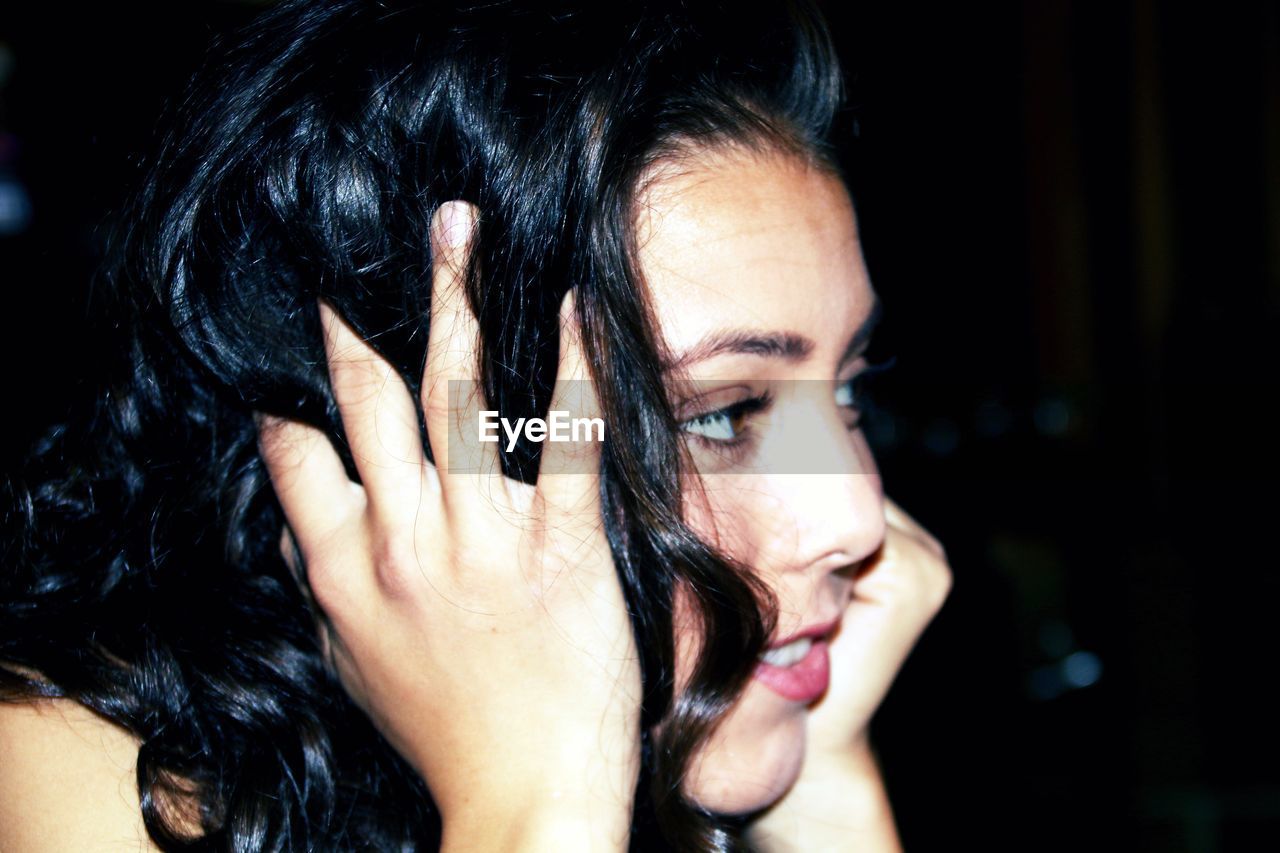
789 346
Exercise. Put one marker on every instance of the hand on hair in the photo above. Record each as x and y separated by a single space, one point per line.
838 803
477 620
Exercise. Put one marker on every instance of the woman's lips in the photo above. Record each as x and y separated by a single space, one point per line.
802 681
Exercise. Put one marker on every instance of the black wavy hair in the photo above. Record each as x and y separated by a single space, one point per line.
142 575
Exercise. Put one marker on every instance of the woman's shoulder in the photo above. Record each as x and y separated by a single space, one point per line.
67 780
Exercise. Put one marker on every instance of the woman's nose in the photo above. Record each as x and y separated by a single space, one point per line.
838 519
835 503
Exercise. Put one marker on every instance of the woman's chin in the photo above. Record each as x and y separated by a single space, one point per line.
753 758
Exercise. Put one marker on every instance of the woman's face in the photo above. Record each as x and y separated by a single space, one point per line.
762 298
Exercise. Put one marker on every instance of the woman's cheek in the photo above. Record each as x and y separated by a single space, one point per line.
753 757
724 514
756 752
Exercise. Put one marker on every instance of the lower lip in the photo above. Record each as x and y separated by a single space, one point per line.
804 681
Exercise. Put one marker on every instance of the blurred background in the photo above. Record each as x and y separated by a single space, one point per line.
1071 211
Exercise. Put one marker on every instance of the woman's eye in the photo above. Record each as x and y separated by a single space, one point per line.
848 393
724 425
851 393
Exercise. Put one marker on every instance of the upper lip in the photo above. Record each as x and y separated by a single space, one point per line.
813 632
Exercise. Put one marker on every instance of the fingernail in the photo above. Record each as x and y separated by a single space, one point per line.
455 223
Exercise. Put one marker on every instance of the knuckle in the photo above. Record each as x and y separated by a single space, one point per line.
435 402
924 576
396 566
331 595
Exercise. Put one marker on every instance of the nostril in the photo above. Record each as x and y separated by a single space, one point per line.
849 571
854 570
863 566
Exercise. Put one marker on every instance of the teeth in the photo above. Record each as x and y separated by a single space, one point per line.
788 655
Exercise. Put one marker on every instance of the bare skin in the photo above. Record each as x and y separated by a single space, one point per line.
67 781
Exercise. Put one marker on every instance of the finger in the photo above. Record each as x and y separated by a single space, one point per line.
324 511
451 390
308 478
569 474
912 568
378 416
896 517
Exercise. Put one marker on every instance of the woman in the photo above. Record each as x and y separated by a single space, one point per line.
274 574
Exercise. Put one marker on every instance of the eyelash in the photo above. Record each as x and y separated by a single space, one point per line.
754 405
741 409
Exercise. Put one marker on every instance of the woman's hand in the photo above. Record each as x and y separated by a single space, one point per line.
838 802
477 620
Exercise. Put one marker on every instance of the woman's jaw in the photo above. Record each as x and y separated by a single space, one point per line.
755 752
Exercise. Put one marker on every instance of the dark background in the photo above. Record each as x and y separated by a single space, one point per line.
1071 212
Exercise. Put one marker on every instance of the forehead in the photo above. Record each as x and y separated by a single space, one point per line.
737 239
